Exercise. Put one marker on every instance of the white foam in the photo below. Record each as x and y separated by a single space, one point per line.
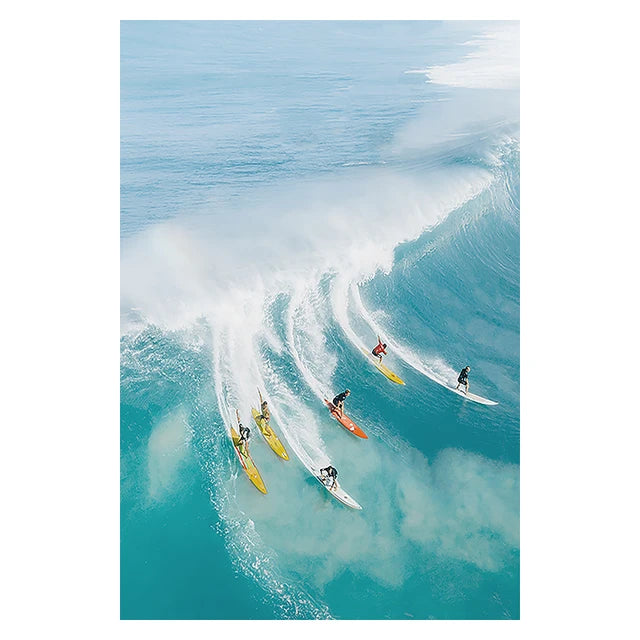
216 265
493 62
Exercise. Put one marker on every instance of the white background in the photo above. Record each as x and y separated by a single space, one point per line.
60 276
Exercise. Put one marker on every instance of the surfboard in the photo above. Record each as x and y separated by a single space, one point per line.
472 396
269 435
247 463
345 421
385 371
337 492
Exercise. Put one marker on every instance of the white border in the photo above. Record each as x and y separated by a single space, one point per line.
60 265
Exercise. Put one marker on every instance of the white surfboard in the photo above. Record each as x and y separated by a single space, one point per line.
338 492
472 396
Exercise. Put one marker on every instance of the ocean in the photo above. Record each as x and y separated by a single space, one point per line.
289 191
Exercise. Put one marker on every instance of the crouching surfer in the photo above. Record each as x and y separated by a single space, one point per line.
338 401
329 474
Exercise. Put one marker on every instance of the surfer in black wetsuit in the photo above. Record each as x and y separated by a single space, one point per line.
338 401
463 378
329 472
245 434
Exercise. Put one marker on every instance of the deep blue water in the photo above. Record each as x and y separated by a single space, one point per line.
288 190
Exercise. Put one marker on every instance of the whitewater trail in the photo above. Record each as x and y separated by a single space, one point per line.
342 292
239 320
435 369
238 361
297 307
251 553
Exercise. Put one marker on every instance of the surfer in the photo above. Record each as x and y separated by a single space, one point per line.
245 434
463 378
329 472
338 401
264 407
265 415
379 349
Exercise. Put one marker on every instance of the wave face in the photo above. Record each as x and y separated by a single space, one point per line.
288 192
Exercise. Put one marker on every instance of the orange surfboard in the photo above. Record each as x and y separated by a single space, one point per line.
345 420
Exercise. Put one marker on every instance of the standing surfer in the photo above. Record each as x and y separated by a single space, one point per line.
379 349
266 414
463 378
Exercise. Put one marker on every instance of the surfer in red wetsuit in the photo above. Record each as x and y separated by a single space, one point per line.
379 349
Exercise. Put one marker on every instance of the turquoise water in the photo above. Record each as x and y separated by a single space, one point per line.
288 191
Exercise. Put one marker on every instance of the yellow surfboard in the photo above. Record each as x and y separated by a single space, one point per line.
269 435
247 463
385 371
